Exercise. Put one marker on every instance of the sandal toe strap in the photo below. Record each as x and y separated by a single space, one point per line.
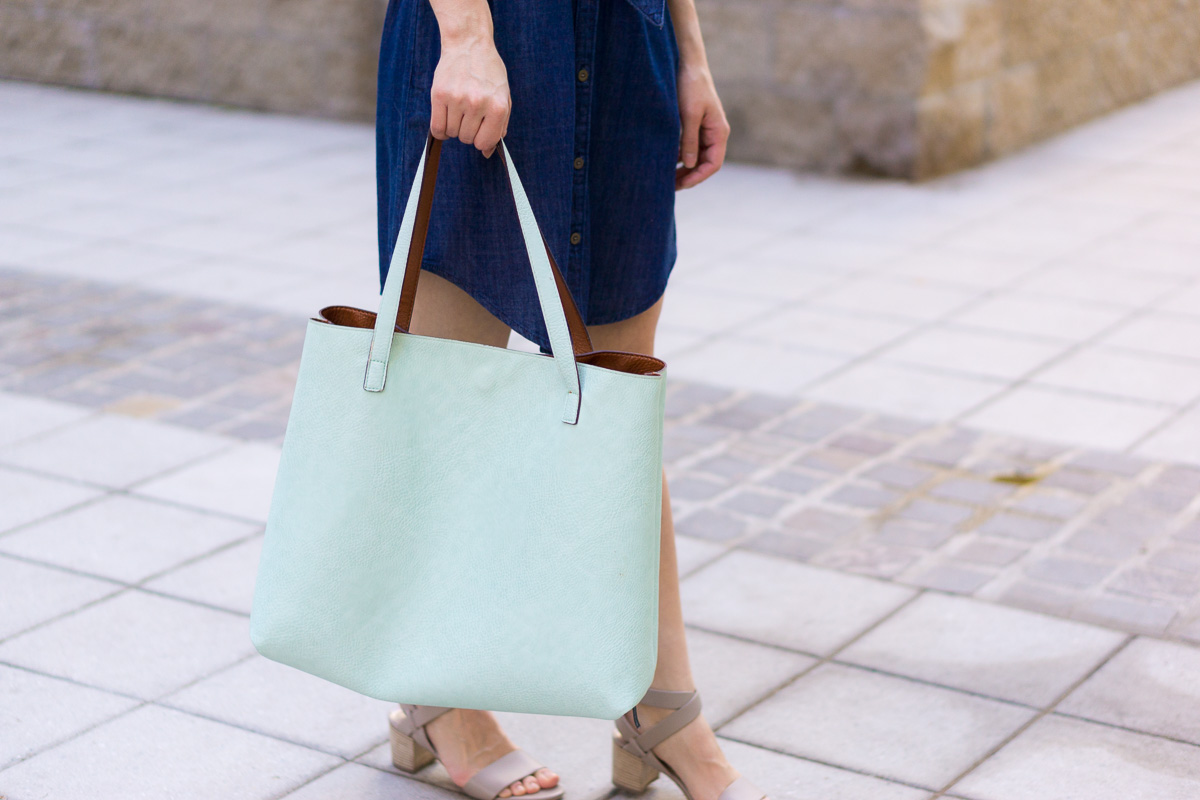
500 774
742 789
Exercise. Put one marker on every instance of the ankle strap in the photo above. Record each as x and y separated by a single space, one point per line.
417 717
686 707
666 698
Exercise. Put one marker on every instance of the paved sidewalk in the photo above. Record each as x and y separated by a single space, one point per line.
1052 295
889 594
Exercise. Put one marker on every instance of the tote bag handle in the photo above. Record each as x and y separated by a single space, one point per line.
568 335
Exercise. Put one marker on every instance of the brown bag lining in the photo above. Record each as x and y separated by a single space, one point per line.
616 360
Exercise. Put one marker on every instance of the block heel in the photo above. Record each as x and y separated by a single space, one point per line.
630 773
635 766
407 754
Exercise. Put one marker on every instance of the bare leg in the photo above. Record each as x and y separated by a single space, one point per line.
467 740
693 752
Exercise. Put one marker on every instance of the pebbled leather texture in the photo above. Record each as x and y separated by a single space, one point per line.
448 541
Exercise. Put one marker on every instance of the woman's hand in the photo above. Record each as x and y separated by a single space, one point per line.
469 96
705 131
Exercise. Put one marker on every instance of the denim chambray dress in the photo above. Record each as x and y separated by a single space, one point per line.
594 133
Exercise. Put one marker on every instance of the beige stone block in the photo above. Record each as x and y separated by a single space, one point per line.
86 11
1013 111
833 51
890 5
879 137
43 45
770 127
950 126
1070 87
331 22
940 68
1095 19
209 15
133 57
1189 26
737 37
350 80
1141 12
1167 61
1121 66
981 48
266 72
1035 29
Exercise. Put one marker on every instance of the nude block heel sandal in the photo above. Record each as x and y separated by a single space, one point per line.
412 751
635 766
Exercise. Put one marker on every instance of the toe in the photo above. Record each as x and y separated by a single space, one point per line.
546 778
531 784
518 789
505 793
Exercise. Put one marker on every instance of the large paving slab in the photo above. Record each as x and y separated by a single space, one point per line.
124 538
153 753
791 605
263 696
1065 759
134 643
986 649
40 711
110 450
917 734
1150 686
367 783
34 594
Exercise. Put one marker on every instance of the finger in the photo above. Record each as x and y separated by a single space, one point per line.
454 120
698 175
437 121
470 127
491 130
716 143
689 144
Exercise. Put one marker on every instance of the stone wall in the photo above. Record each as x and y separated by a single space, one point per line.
302 56
910 88
917 88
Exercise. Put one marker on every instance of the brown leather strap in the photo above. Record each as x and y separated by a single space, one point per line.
580 341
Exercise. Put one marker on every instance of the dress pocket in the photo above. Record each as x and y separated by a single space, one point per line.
652 10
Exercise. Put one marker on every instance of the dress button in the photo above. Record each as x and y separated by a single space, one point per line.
583 75
576 238
579 162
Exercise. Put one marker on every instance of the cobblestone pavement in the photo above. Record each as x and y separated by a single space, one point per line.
1088 534
880 604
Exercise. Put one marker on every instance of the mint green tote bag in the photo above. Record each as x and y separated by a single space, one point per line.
455 524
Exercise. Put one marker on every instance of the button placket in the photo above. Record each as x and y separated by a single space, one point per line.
579 258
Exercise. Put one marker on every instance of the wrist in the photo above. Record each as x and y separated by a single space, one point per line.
465 30
695 67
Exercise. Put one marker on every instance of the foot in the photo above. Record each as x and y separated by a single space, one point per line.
693 753
467 741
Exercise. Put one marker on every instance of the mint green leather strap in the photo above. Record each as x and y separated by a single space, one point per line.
561 343
547 291
393 288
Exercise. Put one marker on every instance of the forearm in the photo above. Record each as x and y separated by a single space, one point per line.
687 33
463 21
